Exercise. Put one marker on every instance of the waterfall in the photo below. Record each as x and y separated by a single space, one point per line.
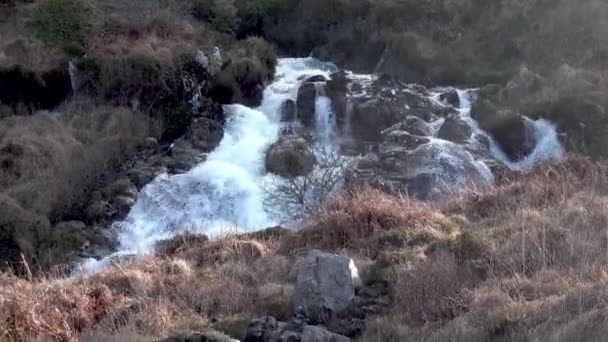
325 120
226 193
547 148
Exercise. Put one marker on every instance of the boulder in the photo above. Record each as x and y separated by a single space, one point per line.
456 130
337 90
325 285
305 103
204 134
511 131
426 172
204 336
290 157
451 97
268 329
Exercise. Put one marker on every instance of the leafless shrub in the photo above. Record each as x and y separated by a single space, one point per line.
305 196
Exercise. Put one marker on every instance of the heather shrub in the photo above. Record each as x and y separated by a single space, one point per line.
221 15
63 23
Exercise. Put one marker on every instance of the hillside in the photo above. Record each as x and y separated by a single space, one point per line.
523 260
303 170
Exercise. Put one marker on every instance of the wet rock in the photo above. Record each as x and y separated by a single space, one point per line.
305 104
290 157
204 134
325 285
456 130
337 91
402 141
426 172
316 78
288 111
385 103
511 131
451 98
142 173
268 329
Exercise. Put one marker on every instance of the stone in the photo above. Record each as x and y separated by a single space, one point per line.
205 336
290 157
325 285
204 134
451 97
512 131
268 329
305 104
456 130
318 334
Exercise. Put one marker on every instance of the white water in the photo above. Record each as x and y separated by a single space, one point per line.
547 149
227 191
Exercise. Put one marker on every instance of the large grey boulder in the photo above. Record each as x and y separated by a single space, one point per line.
456 130
325 285
290 157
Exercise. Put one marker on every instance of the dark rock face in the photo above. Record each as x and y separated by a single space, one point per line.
337 90
455 130
386 102
451 98
426 172
306 104
512 132
290 157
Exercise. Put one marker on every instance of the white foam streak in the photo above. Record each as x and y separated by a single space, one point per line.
547 148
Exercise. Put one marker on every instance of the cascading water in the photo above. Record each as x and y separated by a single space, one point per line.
227 192
325 121
547 148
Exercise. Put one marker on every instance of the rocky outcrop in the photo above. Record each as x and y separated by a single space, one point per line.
305 103
325 285
290 157
377 104
425 172
511 131
268 329
456 130
199 336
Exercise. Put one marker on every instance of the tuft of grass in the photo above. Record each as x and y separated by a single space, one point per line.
63 23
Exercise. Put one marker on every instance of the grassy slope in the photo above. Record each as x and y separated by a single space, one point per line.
524 259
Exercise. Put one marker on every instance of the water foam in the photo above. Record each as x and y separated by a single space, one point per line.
547 148
226 192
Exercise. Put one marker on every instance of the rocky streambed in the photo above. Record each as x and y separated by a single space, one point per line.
403 138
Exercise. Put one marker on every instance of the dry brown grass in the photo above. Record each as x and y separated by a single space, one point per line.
524 260
150 296
366 220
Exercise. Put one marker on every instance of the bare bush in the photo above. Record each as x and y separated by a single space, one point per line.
306 195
